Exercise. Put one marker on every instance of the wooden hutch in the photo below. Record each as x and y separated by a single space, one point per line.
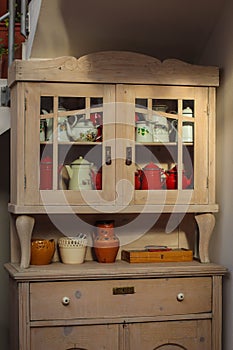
167 305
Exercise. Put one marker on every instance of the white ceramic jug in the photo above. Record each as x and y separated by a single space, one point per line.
80 174
143 132
187 128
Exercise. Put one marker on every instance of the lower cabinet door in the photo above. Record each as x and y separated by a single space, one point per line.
93 337
172 335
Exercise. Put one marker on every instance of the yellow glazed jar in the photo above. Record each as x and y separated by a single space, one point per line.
42 251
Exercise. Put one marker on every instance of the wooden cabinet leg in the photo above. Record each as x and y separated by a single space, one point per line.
24 225
206 223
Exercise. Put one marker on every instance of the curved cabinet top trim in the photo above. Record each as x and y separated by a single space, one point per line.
114 67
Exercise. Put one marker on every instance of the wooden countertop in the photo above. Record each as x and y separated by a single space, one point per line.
92 270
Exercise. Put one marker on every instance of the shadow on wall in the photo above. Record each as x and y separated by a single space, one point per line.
5 236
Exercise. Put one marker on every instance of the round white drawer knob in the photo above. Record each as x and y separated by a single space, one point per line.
65 301
180 296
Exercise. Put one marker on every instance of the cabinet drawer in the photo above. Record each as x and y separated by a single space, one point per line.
77 337
119 298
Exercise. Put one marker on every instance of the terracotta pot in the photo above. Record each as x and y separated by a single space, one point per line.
42 251
106 243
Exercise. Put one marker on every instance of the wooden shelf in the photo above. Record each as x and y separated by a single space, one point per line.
71 143
87 209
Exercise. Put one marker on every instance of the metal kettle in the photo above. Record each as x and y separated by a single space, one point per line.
172 176
152 177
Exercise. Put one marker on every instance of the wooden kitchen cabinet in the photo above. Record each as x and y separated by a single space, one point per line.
147 306
114 306
115 91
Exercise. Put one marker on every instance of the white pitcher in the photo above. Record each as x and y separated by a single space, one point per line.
80 174
144 132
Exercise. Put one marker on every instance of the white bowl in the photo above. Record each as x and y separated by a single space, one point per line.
72 250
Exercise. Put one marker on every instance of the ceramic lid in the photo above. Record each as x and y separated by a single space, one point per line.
47 160
80 161
151 166
187 111
85 123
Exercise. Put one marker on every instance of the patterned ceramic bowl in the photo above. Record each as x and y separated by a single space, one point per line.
72 249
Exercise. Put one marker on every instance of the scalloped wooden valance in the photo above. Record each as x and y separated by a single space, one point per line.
114 67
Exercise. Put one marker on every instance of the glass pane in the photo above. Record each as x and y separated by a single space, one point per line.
188 167
46 104
165 105
156 133
71 131
80 168
46 167
188 108
187 132
188 112
46 122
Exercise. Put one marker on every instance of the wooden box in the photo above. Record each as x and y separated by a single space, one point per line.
145 256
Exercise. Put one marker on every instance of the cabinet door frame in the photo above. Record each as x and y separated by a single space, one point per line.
32 194
200 95
118 177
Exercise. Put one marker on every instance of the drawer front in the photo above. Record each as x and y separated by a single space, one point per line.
78 337
119 298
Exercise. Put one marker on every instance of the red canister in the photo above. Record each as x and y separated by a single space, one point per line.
46 173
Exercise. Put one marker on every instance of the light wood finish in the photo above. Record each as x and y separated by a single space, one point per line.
24 225
164 305
103 303
88 337
154 315
119 126
171 79
192 335
206 223
95 270
217 314
84 209
114 67
142 256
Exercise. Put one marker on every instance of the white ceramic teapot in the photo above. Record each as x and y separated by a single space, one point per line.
81 129
79 172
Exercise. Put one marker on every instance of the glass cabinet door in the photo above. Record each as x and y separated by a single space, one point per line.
71 132
167 132
103 145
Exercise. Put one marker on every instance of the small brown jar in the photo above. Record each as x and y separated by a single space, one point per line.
42 251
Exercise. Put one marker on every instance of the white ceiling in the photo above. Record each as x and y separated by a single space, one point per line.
160 28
